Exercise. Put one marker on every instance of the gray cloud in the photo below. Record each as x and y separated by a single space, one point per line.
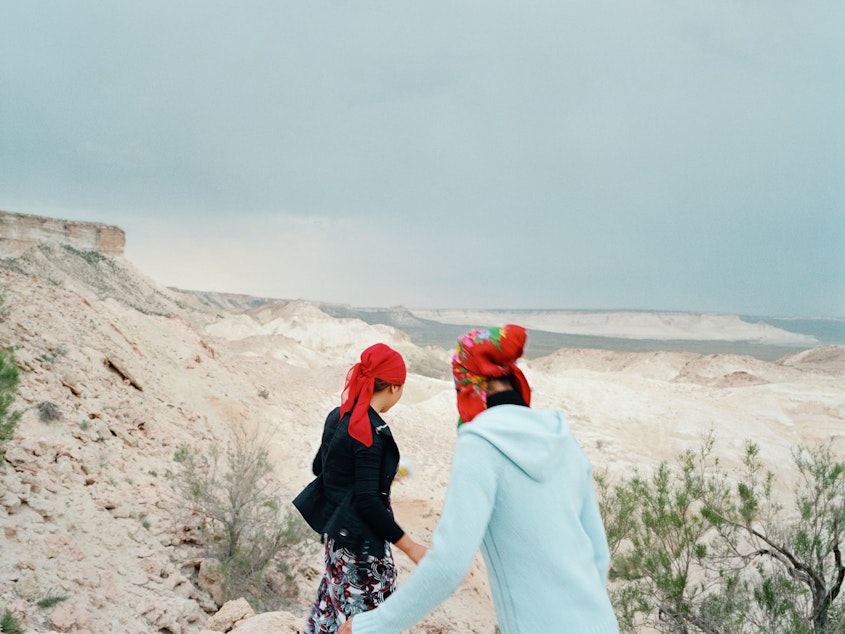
685 156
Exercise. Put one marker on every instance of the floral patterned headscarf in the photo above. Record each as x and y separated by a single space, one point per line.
482 355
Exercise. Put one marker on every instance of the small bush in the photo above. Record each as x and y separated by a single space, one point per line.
4 310
9 378
181 455
244 525
9 624
48 412
700 550
51 599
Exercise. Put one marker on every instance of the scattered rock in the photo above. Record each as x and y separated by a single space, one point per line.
118 367
210 579
229 615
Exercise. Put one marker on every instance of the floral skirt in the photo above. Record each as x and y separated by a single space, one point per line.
349 586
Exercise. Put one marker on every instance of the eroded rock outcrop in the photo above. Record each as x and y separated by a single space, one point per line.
19 232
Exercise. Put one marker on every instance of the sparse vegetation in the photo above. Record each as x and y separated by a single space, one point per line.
296 532
4 309
244 526
9 378
48 412
9 624
182 454
51 599
53 353
91 257
698 551
264 392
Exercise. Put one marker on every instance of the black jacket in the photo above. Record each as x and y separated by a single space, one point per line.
349 500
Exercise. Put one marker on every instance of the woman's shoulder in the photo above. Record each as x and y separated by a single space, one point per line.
333 421
331 428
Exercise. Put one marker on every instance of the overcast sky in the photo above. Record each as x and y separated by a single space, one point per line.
669 155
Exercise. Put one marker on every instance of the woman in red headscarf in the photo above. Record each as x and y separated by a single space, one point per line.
349 501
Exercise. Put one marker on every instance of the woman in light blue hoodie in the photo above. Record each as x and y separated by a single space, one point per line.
521 489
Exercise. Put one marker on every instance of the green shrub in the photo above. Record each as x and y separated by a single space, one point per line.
51 599
9 378
244 526
4 309
698 550
9 624
181 454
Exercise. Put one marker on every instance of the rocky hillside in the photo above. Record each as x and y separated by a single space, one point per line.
116 378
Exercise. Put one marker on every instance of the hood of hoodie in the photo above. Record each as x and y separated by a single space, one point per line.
532 439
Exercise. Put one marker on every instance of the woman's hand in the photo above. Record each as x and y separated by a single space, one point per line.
346 628
411 548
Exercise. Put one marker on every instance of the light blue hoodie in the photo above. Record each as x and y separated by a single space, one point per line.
521 489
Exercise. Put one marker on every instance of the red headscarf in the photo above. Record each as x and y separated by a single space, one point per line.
377 362
482 355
